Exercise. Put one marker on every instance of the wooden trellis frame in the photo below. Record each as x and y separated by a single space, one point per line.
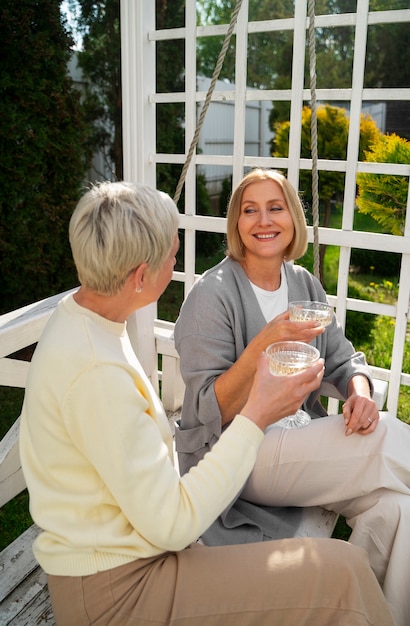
139 37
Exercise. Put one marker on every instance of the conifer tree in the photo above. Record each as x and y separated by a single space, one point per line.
42 152
384 196
100 61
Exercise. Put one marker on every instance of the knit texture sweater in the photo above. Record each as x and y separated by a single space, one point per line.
96 452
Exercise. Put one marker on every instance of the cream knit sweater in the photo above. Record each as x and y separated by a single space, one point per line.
96 451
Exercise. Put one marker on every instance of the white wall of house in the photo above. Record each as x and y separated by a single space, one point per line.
217 134
101 167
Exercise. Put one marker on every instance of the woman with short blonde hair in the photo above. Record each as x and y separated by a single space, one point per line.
108 221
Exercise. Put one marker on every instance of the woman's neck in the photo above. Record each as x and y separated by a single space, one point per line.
266 275
112 308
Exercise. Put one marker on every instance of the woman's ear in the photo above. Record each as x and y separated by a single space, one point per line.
139 276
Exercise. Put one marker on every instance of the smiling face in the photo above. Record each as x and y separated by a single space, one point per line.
265 223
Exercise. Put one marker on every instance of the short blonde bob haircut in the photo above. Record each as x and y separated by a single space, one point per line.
298 245
115 227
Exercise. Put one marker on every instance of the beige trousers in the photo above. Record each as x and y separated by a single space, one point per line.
290 582
365 478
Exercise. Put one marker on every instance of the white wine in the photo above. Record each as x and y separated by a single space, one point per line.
311 315
311 311
290 357
289 362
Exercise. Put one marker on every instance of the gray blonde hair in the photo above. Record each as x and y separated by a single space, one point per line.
115 227
298 245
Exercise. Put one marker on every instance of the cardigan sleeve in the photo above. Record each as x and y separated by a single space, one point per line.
342 361
210 334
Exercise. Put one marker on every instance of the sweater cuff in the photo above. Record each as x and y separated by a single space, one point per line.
246 428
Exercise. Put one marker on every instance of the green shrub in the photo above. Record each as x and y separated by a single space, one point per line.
384 264
44 153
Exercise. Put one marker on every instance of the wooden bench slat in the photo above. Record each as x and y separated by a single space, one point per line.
17 561
24 326
316 522
29 603
24 595
13 373
11 475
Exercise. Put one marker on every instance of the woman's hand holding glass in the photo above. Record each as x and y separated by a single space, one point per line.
308 319
281 328
287 358
273 397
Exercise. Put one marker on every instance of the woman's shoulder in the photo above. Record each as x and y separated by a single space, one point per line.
300 272
217 278
301 278
215 292
292 268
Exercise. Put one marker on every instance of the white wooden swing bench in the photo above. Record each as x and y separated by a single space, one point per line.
24 599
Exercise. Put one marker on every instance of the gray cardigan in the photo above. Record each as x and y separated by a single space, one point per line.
216 322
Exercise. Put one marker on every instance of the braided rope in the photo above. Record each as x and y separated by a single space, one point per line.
313 139
215 76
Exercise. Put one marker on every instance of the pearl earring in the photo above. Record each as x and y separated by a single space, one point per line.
138 290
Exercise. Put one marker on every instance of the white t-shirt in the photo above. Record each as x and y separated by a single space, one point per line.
272 303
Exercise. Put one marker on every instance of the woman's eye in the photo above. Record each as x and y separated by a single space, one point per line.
276 208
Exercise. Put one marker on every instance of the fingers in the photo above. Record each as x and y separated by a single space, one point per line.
273 397
297 387
280 317
300 385
365 429
312 376
361 415
282 329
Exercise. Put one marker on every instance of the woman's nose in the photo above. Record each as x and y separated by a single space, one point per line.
265 217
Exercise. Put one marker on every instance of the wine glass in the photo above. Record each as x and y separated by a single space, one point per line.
290 357
310 310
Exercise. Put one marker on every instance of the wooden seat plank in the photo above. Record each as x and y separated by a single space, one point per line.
29 603
17 561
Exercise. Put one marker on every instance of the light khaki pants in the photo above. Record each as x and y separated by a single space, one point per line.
291 582
365 478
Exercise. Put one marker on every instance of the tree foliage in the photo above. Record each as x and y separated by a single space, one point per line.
385 43
269 55
43 152
384 196
170 78
269 64
100 61
332 136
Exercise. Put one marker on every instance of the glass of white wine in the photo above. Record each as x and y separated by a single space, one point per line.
290 357
309 311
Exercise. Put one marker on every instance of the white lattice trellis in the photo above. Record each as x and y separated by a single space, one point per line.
139 37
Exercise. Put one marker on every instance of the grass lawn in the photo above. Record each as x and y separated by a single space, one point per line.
342 530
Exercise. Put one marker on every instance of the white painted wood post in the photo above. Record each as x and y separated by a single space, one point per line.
139 142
